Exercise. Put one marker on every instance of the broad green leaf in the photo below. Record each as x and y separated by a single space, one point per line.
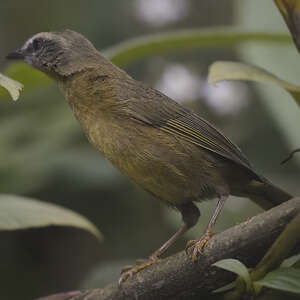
14 87
290 11
283 279
22 213
154 44
235 266
228 70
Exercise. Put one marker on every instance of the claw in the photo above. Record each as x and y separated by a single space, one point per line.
129 271
189 244
126 268
125 276
198 245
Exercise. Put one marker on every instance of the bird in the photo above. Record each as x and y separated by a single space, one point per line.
167 149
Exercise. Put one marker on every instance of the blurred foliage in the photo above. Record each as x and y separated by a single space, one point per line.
226 70
290 11
22 213
45 155
138 48
31 78
12 86
282 61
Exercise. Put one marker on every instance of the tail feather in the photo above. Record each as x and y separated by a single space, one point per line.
266 194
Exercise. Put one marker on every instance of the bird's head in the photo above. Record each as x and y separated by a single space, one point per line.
58 54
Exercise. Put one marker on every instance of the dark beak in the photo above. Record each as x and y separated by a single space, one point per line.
18 54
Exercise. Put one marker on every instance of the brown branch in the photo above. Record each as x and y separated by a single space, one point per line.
177 277
281 248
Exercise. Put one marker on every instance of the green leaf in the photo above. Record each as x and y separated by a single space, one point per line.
224 288
283 279
292 261
228 70
30 77
174 41
14 87
235 266
22 213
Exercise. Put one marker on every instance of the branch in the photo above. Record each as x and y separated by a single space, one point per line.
177 277
280 250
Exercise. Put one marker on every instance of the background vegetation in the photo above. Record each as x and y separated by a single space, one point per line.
44 154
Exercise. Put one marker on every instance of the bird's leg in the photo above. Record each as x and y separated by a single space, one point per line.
199 244
190 215
129 271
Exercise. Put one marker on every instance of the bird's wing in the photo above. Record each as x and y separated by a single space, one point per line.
156 109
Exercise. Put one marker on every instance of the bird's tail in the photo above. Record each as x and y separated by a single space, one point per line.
266 194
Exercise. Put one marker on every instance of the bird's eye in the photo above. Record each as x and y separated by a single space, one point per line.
37 44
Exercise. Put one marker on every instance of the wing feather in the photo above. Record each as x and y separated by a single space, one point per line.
157 110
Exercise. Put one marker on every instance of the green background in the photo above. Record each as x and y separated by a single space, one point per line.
45 155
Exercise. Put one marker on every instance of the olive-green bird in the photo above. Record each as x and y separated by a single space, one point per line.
167 149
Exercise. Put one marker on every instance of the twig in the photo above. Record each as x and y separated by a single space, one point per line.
290 156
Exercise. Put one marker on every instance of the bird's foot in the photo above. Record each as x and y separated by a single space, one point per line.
198 245
129 271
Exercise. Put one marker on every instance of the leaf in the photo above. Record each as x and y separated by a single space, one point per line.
224 288
30 77
22 213
235 266
14 87
283 279
290 11
292 261
174 41
228 70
